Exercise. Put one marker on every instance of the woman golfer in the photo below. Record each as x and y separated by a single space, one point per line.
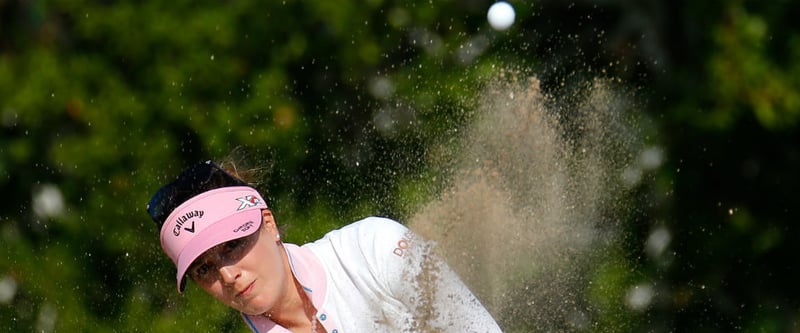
373 275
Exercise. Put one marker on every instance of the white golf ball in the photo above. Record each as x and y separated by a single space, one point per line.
501 15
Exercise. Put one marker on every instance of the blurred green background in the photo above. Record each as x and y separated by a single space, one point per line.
102 102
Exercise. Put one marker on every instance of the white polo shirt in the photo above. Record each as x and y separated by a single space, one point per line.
375 275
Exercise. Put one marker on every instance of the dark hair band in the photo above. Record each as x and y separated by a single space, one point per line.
196 179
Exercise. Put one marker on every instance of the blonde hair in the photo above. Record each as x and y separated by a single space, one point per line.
240 164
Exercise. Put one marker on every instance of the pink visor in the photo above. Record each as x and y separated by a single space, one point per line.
207 220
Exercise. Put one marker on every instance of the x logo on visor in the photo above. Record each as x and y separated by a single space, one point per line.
247 201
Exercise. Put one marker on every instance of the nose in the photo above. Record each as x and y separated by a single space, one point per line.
229 274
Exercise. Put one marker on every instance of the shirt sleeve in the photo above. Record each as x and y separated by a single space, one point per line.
413 274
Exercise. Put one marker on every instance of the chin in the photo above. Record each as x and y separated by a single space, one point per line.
253 311
253 308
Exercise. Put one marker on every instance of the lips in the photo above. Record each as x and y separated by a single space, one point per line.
246 290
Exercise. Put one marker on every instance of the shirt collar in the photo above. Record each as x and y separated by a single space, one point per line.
309 272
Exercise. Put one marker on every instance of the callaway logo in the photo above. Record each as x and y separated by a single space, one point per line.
247 201
185 218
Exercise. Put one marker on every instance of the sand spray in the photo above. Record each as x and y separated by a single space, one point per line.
534 196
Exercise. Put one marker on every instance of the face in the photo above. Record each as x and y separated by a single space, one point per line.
248 274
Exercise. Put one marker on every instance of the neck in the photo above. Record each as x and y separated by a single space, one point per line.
295 310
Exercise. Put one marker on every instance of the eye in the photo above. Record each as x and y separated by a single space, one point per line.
233 245
201 270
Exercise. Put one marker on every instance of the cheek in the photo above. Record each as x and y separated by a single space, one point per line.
265 265
266 259
213 288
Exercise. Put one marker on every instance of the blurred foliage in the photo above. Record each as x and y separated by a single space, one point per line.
105 101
